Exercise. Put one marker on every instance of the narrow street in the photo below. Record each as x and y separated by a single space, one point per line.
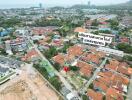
65 82
94 76
129 95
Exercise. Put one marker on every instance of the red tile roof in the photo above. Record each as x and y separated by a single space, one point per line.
119 78
57 42
100 54
124 39
114 62
111 80
113 94
85 71
113 67
106 74
75 50
85 68
94 95
31 54
104 23
130 70
123 64
123 70
100 85
104 80
41 30
91 58
79 29
121 67
60 58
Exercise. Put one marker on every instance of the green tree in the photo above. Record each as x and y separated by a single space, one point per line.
55 82
85 97
57 66
114 24
11 22
95 23
129 58
74 68
42 70
125 47
44 22
51 52
35 41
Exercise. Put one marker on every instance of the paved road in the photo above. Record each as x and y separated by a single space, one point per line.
94 76
129 95
65 82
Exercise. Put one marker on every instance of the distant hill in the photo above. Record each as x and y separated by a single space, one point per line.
129 3
126 5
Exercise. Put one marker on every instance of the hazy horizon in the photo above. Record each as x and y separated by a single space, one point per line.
47 3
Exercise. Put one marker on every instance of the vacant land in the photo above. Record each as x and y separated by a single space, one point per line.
27 86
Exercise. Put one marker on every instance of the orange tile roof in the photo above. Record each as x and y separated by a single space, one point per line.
106 74
92 57
114 79
75 50
60 58
85 68
79 29
104 80
69 57
41 30
32 53
123 64
111 66
94 95
123 70
100 54
85 71
83 64
100 85
119 78
114 62
130 70
113 94
121 67
95 59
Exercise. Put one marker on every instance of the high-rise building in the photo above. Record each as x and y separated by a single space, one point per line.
89 3
40 5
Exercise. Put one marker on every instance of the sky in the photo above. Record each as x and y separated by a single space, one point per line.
46 3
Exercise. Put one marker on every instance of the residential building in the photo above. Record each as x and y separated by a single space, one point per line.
32 55
8 47
111 51
93 95
19 44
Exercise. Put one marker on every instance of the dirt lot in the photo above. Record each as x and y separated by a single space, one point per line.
27 86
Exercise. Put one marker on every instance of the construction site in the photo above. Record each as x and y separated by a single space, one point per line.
29 85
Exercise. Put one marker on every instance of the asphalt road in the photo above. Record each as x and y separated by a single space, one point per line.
68 86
